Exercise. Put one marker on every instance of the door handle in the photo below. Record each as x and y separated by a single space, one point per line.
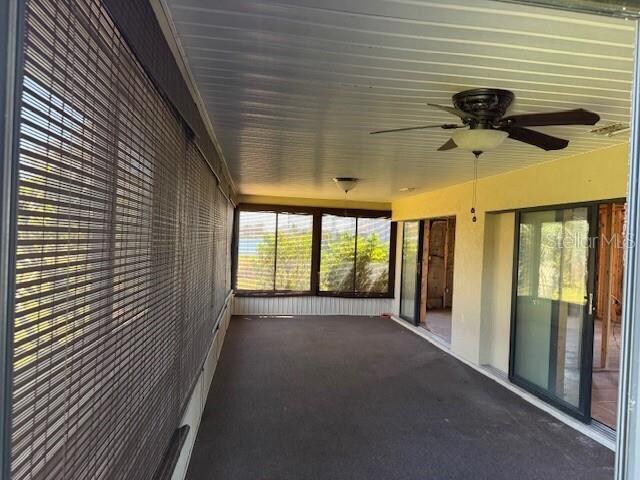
590 303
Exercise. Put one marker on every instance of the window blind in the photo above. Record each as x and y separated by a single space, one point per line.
198 266
230 244
120 262
221 257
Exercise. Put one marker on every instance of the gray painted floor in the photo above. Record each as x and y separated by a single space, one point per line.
363 398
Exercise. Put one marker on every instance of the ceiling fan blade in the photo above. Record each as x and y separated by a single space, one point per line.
448 145
446 126
579 116
537 139
454 111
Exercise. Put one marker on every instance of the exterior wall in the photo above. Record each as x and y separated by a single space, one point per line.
311 305
597 175
496 290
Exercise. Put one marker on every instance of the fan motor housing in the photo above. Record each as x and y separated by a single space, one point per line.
488 104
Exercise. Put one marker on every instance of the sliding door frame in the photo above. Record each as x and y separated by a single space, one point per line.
12 15
583 411
416 301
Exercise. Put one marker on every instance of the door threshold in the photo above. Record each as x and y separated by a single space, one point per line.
595 432
604 429
435 338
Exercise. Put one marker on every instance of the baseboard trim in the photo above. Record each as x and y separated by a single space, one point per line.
590 431
198 399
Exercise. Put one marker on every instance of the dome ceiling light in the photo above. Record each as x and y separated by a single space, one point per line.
346 184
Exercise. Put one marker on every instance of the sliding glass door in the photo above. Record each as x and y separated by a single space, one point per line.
552 324
411 259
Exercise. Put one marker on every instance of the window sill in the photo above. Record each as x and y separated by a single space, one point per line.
246 293
371 296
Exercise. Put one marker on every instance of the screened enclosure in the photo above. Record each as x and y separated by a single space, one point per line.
122 260
286 250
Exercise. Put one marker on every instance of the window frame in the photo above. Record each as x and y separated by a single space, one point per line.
316 243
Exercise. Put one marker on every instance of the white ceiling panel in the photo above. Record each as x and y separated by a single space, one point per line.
294 86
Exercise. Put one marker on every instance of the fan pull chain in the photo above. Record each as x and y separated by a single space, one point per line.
475 188
346 212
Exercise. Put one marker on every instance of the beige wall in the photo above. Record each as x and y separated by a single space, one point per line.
601 174
496 290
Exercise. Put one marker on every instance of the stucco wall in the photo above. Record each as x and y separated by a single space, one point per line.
598 175
497 277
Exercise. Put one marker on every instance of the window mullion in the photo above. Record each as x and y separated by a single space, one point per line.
316 244
355 256
275 254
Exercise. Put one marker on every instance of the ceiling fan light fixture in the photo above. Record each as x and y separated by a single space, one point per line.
346 184
479 139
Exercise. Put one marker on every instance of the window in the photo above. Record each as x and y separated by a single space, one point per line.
355 255
337 261
284 250
274 252
293 252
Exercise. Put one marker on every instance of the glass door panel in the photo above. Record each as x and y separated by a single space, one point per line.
409 291
552 306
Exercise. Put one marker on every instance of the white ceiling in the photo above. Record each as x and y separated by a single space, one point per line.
294 86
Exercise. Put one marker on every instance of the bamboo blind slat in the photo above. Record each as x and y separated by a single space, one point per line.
122 261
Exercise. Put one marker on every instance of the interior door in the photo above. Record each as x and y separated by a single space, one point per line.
436 271
552 324
411 271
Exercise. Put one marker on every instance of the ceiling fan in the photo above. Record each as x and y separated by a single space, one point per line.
485 127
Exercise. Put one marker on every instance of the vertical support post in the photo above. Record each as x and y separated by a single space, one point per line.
627 465
11 29
608 268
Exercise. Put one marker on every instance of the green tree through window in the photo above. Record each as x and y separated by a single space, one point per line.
275 253
354 255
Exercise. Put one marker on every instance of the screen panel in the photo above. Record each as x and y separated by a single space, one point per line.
314 251
293 252
256 251
372 255
337 254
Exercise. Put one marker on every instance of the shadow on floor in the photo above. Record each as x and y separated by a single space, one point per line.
307 398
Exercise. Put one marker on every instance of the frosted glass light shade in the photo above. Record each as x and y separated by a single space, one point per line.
479 139
346 184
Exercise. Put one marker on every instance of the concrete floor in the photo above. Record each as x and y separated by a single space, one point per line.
438 322
363 398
